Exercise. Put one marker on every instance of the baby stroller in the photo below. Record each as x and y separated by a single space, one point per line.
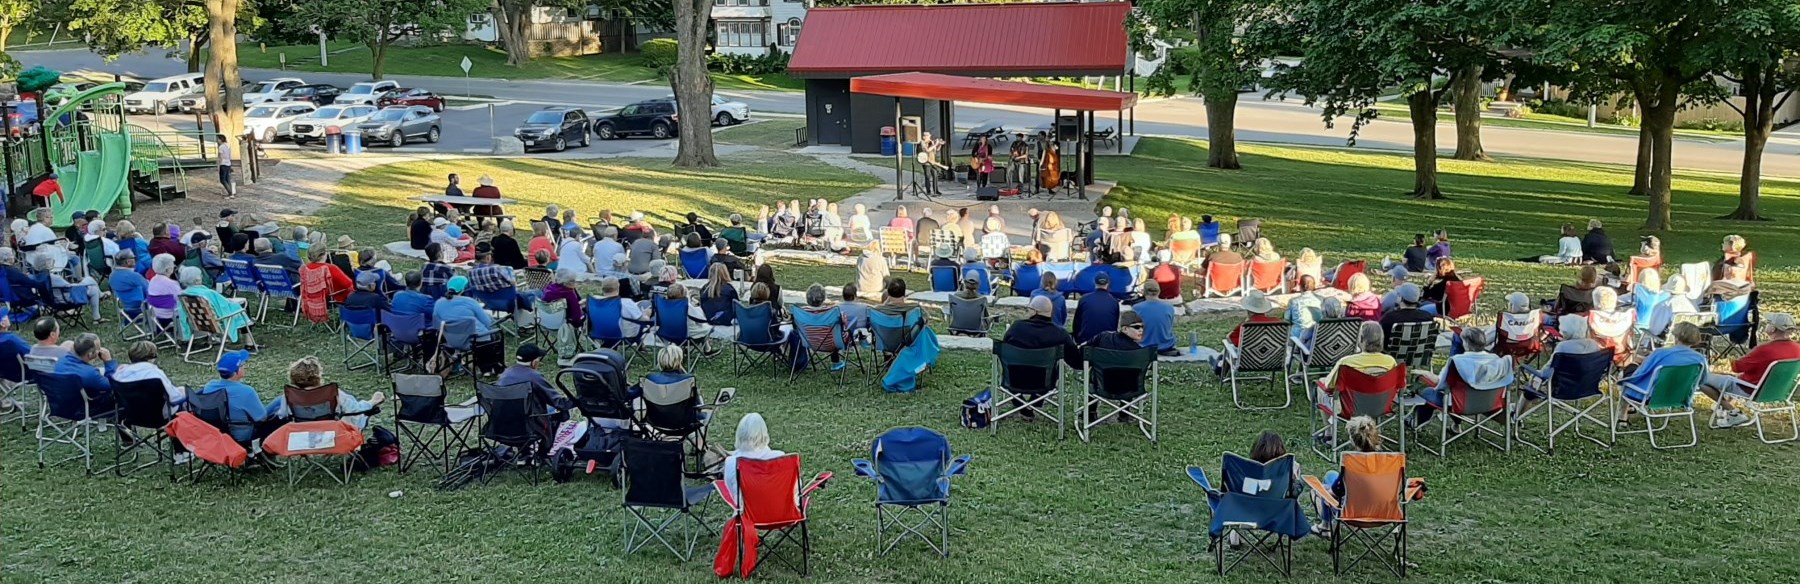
596 384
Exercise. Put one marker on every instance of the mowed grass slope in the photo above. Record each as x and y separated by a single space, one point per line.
1033 508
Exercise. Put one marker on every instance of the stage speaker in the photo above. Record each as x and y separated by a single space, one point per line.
909 129
987 194
1068 128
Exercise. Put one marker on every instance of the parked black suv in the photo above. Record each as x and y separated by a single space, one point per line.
554 128
318 94
653 118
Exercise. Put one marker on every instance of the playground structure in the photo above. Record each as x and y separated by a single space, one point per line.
99 159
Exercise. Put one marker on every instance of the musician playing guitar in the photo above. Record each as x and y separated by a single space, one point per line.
927 156
1017 171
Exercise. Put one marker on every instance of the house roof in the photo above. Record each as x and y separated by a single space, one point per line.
982 40
976 90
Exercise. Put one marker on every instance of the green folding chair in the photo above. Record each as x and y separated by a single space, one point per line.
1775 394
1670 395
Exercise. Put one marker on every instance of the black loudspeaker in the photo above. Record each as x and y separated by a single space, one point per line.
1068 128
987 194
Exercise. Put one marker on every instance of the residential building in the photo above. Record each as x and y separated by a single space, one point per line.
750 27
557 32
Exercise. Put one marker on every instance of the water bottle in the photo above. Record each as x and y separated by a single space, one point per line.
1194 343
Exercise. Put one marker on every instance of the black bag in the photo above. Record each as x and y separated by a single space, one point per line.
977 411
380 448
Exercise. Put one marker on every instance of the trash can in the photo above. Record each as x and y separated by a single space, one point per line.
353 143
889 144
333 139
907 148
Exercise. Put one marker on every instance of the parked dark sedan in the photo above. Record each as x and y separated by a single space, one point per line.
554 128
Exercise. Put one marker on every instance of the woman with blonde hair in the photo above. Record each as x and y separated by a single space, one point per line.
1308 263
308 373
1264 251
718 297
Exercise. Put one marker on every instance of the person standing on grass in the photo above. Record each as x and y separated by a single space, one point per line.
225 169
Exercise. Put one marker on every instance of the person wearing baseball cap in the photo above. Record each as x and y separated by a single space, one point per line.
247 409
367 295
525 370
1097 311
1397 273
1406 309
1750 369
455 306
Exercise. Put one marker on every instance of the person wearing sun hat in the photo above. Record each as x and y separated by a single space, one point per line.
1260 310
455 306
1748 371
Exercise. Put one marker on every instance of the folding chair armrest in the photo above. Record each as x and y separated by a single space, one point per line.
1299 347
1231 351
864 468
817 483
1319 490
725 495
959 466
232 313
1198 475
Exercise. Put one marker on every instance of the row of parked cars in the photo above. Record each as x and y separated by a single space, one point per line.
383 112
556 128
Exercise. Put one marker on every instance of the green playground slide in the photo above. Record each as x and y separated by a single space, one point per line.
100 177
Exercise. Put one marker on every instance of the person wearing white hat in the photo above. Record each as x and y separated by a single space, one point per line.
1260 311
1750 369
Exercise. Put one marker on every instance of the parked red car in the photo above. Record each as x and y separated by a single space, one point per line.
412 96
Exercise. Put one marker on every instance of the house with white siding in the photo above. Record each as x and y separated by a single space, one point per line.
750 27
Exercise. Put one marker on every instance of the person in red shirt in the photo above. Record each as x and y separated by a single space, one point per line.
1750 370
341 284
48 187
1167 276
1260 309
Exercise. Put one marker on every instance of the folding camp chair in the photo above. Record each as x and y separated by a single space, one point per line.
70 415
277 284
1125 383
359 339
984 278
673 411
1520 335
1735 325
143 410
772 508
1372 511
657 498
1774 394
503 305
969 316
1258 503
553 329
1637 265
1613 330
694 262
16 385
208 445
1573 378
67 304
945 278
1027 382
1670 395
1469 412
1340 279
1269 277
895 245
822 336
606 327
1413 344
1460 297
165 332
1698 277
911 468
1223 280
204 324
460 350
244 280
404 336
325 446
423 418
315 295
1332 339
1262 353
517 421
892 334
311 404
756 340
1357 393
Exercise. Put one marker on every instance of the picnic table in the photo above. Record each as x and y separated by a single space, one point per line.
471 201
992 129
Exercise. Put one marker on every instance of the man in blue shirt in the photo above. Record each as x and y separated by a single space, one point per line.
525 371
1159 321
127 284
246 406
365 297
81 364
410 300
12 349
1097 312
454 306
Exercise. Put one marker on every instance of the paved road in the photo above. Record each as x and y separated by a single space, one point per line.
466 130
1258 121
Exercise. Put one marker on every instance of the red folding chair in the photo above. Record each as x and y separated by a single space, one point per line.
1613 331
1223 280
1638 265
1269 277
773 505
1521 335
1470 412
1341 279
1358 394
315 294
1460 297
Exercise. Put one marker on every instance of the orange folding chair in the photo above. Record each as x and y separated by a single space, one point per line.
773 506
1341 279
1638 265
1372 511
1223 280
1269 277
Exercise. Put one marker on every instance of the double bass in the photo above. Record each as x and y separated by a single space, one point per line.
1050 169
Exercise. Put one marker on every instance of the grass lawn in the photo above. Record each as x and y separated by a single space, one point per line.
446 61
776 133
1537 121
1033 509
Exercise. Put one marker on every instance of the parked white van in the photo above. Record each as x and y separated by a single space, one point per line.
158 96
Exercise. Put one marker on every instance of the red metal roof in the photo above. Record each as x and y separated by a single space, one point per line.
971 89
983 40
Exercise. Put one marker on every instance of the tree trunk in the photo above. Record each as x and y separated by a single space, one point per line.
1221 131
1465 90
1422 108
5 35
1759 121
378 54
1659 122
510 22
196 44
693 86
1640 175
224 86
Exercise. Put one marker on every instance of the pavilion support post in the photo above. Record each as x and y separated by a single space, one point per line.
1119 131
1087 156
898 190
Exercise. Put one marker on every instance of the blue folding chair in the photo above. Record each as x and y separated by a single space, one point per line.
1084 281
19 314
500 304
1644 303
244 280
983 277
359 338
911 468
70 416
893 334
671 318
606 326
944 278
404 335
1259 502
1573 378
1026 279
822 335
278 284
1737 320
694 262
756 341
1209 234
1120 280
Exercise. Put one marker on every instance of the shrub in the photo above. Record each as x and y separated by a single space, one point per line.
658 53
1183 61
774 62
1559 108
1712 125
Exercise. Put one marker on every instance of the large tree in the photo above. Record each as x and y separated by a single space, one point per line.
1761 55
117 27
693 85
14 13
1354 52
1656 50
1225 63
378 24
223 85
512 20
